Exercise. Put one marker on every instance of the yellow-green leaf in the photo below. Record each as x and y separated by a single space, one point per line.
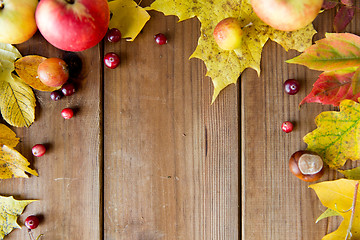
128 17
225 67
17 100
355 83
13 164
351 173
338 195
337 137
7 136
328 213
10 210
26 67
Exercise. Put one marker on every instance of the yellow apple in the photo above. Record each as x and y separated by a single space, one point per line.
287 15
17 20
228 34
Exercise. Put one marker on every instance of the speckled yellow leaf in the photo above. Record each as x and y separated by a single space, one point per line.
7 136
13 164
26 67
225 67
10 210
17 100
128 17
353 173
337 136
338 195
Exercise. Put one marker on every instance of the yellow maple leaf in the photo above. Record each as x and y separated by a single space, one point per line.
10 210
338 196
26 67
17 100
7 136
13 164
128 17
224 67
337 137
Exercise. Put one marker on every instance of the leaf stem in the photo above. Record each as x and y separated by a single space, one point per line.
348 234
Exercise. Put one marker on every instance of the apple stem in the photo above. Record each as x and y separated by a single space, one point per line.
248 25
70 1
1 4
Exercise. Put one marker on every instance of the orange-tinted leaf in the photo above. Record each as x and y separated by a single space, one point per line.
26 67
336 51
332 88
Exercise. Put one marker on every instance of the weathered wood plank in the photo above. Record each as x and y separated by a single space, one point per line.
69 184
171 158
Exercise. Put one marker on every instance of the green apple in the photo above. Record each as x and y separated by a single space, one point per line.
228 34
17 20
287 15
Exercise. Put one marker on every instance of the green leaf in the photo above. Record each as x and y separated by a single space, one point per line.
336 51
351 173
355 83
328 213
10 210
337 137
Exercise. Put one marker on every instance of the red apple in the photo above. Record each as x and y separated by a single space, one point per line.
73 25
17 20
287 15
228 34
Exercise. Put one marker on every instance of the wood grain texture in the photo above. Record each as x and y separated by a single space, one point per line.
275 204
171 159
69 184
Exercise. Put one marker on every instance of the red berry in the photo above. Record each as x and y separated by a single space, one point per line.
113 35
111 60
38 150
55 95
287 126
67 113
31 222
291 86
68 89
160 39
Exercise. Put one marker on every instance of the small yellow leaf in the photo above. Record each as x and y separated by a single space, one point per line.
17 102
26 67
128 17
13 164
7 136
338 195
328 213
10 210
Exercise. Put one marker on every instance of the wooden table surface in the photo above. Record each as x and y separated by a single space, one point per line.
147 157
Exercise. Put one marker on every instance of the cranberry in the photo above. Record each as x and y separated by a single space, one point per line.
31 222
111 60
291 86
68 89
38 150
67 113
55 95
160 39
287 126
113 35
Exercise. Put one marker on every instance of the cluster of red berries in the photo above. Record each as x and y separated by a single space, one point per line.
111 59
291 87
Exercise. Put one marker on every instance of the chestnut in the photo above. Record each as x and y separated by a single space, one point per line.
306 165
